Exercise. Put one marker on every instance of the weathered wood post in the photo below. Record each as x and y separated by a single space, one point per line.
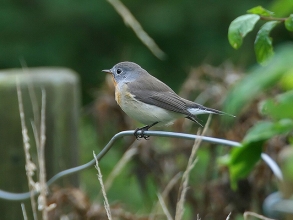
62 111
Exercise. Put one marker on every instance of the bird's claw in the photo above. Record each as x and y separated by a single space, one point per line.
142 130
141 135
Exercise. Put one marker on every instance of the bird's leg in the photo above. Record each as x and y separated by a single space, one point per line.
141 135
143 129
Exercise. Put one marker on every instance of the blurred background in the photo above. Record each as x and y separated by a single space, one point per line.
91 36
88 36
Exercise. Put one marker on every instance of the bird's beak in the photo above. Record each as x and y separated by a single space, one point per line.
107 71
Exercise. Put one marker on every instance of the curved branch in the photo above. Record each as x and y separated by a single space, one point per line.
23 196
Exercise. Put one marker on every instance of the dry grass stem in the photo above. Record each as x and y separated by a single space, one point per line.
100 177
42 200
30 167
164 194
40 139
191 162
164 207
130 20
33 97
23 211
122 162
247 214
184 185
171 184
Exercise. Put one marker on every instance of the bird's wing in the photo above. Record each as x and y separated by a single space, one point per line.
154 92
166 100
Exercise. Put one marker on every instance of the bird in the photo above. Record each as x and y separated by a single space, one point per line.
148 100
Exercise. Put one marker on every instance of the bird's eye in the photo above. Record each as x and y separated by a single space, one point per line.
118 71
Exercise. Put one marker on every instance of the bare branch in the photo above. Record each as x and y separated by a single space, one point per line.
164 207
246 214
130 20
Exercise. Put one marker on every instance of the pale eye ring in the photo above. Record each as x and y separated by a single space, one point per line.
118 71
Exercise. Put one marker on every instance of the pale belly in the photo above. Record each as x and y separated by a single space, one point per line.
145 113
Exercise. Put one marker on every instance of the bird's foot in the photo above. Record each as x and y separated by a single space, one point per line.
142 130
141 135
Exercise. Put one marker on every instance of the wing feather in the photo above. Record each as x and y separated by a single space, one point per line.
152 91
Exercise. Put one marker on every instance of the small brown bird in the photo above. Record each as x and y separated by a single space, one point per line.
150 101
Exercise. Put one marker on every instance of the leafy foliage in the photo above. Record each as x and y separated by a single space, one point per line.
286 82
259 10
259 79
239 28
243 159
263 43
280 109
289 23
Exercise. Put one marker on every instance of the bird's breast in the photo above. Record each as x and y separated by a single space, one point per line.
118 96
142 112
114 81
122 95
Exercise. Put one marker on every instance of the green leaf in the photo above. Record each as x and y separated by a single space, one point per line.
259 10
263 43
279 107
289 23
286 82
243 159
240 27
265 130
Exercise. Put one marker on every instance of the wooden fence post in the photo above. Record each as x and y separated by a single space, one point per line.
62 116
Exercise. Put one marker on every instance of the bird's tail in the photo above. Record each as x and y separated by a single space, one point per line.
197 109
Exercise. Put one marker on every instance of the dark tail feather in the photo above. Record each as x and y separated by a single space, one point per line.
215 111
194 120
